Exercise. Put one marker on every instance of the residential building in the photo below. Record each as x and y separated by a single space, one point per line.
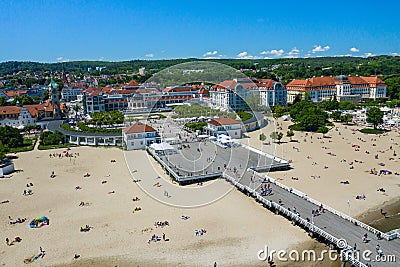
139 135
16 116
69 94
349 88
272 93
232 94
224 125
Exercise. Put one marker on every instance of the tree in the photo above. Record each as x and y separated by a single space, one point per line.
276 136
323 130
290 134
278 111
347 105
3 101
336 115
77 108
308 116
375 116
3 151
10 136
346 118
262 137
331 105
297 99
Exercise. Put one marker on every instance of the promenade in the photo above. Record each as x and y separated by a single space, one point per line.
329 225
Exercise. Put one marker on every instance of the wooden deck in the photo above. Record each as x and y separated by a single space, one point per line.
331 225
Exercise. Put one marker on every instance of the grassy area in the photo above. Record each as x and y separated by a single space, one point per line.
244 116
161 116
28 145
83 128
371 131
65 145
198 111
196 125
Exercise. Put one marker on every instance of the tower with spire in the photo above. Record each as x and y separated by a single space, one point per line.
54 98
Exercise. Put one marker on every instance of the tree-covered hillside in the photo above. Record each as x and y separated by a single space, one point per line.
283 69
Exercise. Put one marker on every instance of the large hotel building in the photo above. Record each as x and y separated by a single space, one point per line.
350 88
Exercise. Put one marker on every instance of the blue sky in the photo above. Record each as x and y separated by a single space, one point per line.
51 31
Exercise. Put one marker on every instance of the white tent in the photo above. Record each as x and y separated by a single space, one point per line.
163 147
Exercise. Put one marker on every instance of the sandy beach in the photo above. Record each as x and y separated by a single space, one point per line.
236 227
321 164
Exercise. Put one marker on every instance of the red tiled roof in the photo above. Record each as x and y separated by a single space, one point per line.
265 82
8 110
180 89
132 83
373 80
225 84
14 93
223 121
138 128
356 80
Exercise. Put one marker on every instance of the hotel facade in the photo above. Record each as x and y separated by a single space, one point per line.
232 94
344 88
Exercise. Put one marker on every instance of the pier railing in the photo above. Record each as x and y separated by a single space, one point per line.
277 159
177 177
296 219
328 208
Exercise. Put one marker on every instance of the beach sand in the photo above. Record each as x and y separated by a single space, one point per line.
339 143
237 227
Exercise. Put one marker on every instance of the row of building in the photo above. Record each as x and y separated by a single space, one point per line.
21 116
228 95
140 135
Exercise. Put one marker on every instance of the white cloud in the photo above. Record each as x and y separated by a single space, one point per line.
62 59
354 50
274 52
346 55
210 53
242 54
293 53
318 48
149 55
395 54
245 55
369 54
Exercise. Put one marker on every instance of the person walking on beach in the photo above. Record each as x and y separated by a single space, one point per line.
7 241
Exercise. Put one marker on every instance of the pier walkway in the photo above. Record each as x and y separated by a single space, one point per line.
337 229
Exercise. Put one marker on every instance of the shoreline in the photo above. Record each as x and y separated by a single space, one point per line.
374 218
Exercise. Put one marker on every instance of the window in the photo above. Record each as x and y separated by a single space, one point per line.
132 143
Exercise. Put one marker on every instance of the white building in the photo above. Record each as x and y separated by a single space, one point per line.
349 88
233 93
16 116
139 135
71 94
272 93
224 125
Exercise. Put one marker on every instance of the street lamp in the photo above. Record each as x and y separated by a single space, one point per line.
348 203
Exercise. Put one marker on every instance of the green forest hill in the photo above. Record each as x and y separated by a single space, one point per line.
283 69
